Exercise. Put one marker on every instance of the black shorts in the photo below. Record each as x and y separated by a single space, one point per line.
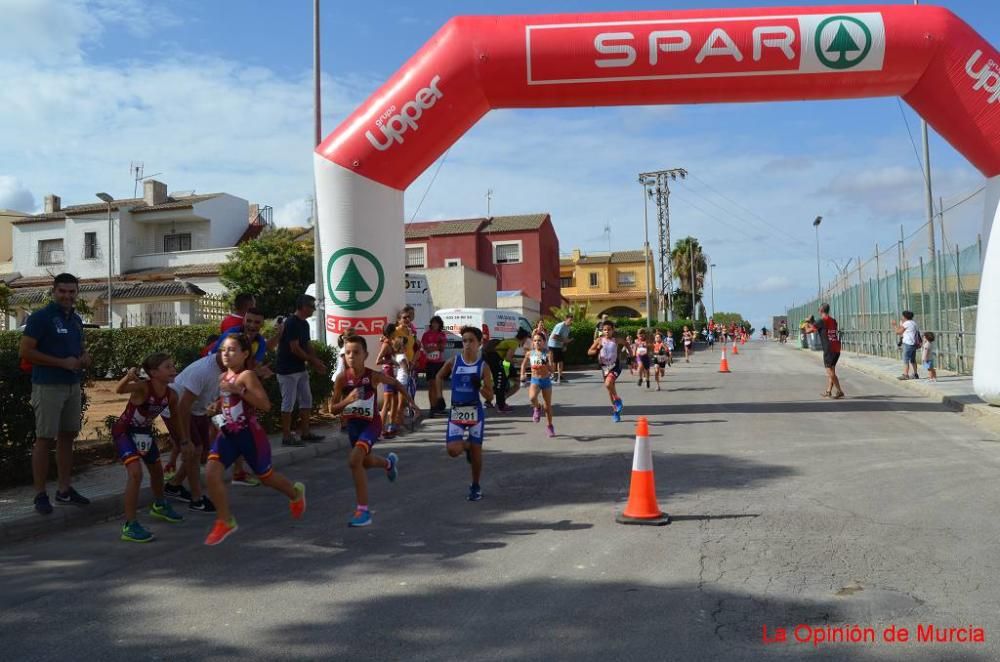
557 354
432 370
830 359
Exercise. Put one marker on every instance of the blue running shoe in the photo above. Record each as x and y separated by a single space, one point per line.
475 493
619 405
165 512
616 417
134 532
360 518
392 471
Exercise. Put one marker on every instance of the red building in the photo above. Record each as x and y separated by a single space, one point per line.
521 251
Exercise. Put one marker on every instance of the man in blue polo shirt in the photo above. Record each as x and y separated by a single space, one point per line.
53 344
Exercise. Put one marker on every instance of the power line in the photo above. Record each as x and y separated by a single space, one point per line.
916 153
429 185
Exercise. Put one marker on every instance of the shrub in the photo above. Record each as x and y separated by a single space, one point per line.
114 351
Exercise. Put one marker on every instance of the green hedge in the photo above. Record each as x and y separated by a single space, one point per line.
113 352
582 335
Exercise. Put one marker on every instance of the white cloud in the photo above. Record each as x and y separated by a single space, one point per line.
768 284
14 195
295 213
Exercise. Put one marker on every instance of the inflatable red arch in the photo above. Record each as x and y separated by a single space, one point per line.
932 59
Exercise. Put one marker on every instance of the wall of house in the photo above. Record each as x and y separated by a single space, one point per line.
149 236
439 249
76 229
460 287
526 306
548 246
25 240
182 258
229 218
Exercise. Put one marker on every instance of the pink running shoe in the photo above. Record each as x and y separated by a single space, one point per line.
551 431
536 415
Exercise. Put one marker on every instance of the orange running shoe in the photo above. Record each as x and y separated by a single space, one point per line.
220 531
298 506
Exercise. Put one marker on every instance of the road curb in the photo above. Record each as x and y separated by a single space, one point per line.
107 507
980 409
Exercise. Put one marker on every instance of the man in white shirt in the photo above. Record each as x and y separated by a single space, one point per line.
557 342
910 336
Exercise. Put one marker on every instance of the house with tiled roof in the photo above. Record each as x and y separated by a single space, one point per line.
521 254
161 253
608 282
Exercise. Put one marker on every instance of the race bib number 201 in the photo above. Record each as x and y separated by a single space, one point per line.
466 415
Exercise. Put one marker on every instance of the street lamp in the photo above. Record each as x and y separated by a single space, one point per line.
819 283
646 192
711 276
108 199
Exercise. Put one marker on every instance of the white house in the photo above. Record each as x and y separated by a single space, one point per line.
164 252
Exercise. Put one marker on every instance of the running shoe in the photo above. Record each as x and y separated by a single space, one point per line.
475 493
647 383
360 518
169 472
311 436
134 532
390 431
506 409
203 505
292 441
220 531
298 505
619 405
165 512
177 492
551 431
244 478
488 404
536 415
71 498
392 471
616 417
42 504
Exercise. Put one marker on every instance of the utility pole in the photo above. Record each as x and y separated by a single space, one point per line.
711 276
318 274
489 199
931 247
694 290
645 254
660 180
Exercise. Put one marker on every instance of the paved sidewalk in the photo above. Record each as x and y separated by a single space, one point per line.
103 485
950 388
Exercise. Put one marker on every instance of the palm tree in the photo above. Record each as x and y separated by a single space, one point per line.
681 257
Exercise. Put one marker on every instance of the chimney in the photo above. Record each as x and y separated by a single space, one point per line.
52 203
154 192
576 254
254 212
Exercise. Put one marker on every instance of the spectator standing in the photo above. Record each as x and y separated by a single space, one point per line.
599 329
53 344
829 337
434 342
241 304
909 336
557 343
294 351
927 355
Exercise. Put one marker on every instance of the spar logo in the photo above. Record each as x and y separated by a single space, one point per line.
350 273
987 78
842 42
393 125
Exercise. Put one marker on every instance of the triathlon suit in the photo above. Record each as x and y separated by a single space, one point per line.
389 370
539 362
466 415
642 354
361 417
607 357
403 374
133 431
240 434
660 353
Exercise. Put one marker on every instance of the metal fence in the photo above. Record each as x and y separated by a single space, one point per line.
943 293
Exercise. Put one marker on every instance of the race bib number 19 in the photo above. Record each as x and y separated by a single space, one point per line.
143 443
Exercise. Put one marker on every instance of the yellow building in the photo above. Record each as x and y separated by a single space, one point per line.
612 283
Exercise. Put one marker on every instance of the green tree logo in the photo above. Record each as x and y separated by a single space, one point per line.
842 50
349 279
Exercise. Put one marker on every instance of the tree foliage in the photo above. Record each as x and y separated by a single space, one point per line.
686 250
274 267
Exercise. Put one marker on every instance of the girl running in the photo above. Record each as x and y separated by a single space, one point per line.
240 434
688 338
642 356
358 411
660 357
541 380
135 440
386 360
605 348
628 354
407 385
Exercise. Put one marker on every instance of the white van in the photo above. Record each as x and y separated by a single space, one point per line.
494 322
417 294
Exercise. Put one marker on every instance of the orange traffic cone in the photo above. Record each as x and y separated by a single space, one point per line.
642 507
736 350
724 363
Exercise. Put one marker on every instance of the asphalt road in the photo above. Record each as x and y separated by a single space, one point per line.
788 509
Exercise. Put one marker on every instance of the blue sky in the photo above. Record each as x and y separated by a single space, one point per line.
217 96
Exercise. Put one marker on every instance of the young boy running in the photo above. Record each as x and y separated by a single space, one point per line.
670 347
541 380
605 349
241 395
355 398
468 381
135 440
